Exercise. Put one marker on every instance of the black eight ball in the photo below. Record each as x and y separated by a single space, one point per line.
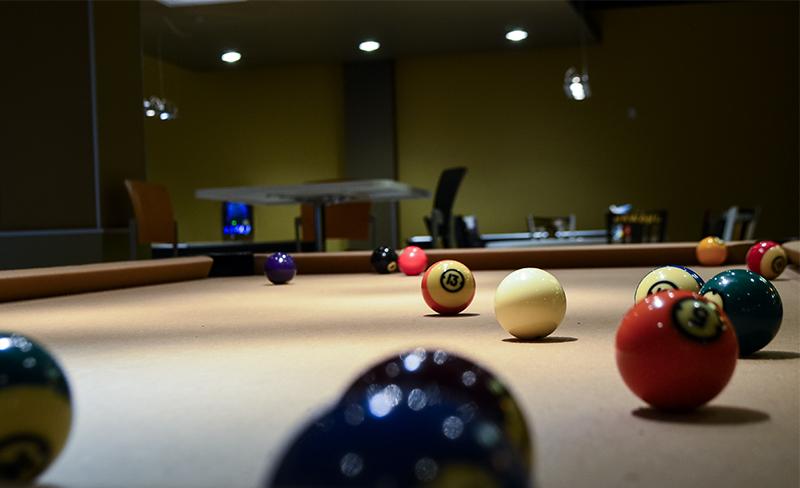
384 260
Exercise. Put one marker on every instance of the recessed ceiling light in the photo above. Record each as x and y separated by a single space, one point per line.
369 46
516 35
231 56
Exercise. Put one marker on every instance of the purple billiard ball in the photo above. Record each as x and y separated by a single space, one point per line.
279 268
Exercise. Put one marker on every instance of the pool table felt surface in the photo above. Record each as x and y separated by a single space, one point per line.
203 383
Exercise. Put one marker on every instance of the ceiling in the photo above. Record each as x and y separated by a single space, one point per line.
293 31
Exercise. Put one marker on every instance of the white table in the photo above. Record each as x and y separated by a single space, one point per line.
543 239
317 194
535 239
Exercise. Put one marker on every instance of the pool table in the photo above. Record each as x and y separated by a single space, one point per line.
203 382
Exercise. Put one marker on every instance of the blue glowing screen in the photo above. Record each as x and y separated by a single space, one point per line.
237 219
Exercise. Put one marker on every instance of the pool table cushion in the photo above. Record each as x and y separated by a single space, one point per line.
603 255
26 284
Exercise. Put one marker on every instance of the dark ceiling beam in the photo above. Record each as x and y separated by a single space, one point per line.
272 33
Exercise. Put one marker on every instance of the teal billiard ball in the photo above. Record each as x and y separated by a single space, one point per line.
35 408
751 302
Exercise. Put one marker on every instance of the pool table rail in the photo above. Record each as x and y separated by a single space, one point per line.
596 256
25 284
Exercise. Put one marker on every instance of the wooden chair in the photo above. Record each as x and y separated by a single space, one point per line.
734 224
635 227
154 224
154 220
352 220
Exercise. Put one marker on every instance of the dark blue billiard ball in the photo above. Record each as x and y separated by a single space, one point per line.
752 304
418 418
35 409
279 268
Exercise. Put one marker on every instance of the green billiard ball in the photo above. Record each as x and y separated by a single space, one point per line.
752 304
35 409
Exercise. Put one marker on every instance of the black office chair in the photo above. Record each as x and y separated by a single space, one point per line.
466 233
440 221
734 224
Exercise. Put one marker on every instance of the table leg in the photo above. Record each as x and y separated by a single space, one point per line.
319 226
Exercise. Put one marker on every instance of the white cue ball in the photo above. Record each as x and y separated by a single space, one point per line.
530 303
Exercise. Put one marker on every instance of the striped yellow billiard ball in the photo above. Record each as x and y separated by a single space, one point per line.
35 409
448 287
671 277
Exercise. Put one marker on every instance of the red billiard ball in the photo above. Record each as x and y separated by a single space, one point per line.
412 261
676 350
448 287
766 258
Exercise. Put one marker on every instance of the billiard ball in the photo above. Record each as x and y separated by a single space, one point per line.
766 258
35 408
448 287
279 268
412 261
530 303
751 302
452 378
711 251
670 277
420 417
438 446
676 350
384 260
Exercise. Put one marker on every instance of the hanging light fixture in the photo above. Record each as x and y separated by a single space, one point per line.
576 83
158 106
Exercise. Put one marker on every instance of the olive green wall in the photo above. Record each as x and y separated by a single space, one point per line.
72 133
46 151
242 127
120 129
715 88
